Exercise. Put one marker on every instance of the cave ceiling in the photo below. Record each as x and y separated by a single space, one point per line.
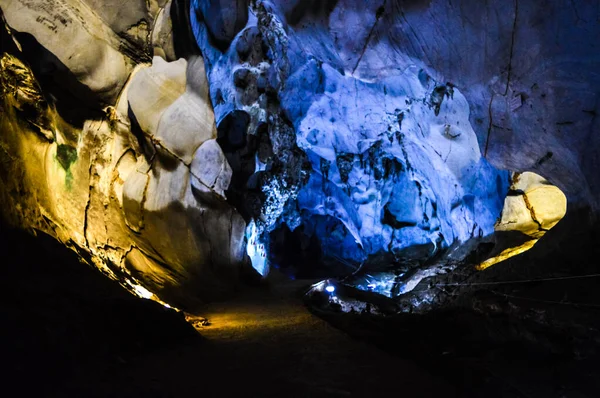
184 146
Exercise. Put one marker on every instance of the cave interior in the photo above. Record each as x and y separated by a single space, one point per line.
350 198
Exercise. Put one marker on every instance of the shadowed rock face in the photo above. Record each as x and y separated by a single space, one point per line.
325 137
224 18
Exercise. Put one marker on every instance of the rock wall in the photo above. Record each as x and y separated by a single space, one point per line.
131 178
174 143
526 68
392 164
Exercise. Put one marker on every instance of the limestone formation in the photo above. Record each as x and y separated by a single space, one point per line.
175 143
94 56
138 190
162 34
392 166
533 206
527 70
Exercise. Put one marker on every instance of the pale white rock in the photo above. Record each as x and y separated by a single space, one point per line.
186 223
162 34
92 53
130 18
125 200
133 196
171 104
211 168
154 89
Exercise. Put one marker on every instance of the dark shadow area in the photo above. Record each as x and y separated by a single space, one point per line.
183 38
63 321
527 327
310 8
68 331
74 101
223 20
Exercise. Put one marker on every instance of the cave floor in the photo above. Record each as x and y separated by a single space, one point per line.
266 343
69 331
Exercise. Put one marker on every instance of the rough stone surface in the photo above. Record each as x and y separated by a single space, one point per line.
527 70
94 56
224 18
325 137
163 42
389 165
138 191
533 206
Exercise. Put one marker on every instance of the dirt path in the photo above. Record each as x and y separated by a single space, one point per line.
68 331
265 343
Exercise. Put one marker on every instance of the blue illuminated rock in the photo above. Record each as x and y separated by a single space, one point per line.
320 137
224 19
388 164
527 70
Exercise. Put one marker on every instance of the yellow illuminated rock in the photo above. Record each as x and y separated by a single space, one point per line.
149 213
532 208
